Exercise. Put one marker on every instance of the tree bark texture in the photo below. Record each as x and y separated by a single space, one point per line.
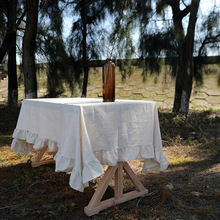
185 73
29 68
84 58
6 44
8 39
12 68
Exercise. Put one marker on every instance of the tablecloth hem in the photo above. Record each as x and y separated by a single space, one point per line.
26 140
92 170
78 181
145 152
155 165
21 146
63 164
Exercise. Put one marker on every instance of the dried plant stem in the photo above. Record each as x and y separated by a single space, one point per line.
9 207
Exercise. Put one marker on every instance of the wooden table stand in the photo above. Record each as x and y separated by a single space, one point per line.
38 162
96 205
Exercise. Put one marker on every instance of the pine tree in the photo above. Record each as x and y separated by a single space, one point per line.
85 35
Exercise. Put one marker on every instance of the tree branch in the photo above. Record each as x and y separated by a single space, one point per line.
162 4
184 2
90 19
72 2
207 40
185 11
20 19
7 42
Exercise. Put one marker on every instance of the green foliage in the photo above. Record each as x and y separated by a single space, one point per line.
211 30
52 11
211 38
88 14
157 45
156 42
62 67
120 40
85 35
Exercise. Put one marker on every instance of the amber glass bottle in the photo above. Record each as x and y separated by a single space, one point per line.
108 79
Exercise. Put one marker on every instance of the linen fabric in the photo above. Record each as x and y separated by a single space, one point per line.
88 132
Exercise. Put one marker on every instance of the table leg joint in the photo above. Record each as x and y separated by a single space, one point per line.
96 205
38 162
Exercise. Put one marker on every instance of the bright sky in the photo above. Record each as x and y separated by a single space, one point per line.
206 5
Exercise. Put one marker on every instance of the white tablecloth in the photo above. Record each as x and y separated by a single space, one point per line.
88 132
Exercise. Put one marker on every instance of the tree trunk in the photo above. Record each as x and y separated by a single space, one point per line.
187 82
6 45
30 80
12 68
84 59
8 39
12 76
184 78
179 75
178 86
189 67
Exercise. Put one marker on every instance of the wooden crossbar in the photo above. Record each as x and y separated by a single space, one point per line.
96 205
38 162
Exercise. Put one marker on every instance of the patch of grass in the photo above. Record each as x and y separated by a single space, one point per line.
9 157
66 207
195 106
200 127
213 109
175 160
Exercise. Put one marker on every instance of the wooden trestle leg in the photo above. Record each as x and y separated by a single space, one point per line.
96 205
38 162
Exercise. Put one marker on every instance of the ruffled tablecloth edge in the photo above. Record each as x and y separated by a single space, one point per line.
24 142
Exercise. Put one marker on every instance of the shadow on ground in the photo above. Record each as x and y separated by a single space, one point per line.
188 189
